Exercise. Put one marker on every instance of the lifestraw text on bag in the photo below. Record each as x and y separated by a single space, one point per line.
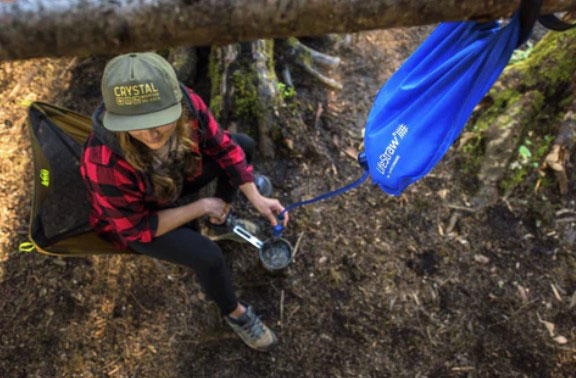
384 160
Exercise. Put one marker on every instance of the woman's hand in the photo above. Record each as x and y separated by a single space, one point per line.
270 208
216 209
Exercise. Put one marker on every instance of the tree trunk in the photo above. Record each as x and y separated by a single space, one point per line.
35 28
247 95
530 113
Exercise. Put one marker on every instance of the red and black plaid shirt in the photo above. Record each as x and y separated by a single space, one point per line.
122 198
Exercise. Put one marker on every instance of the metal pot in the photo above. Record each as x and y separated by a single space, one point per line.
275 254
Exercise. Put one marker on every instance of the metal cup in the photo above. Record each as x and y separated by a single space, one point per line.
275 254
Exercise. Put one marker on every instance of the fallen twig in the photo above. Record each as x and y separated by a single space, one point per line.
462 208
452 223
297 245
139 304
281 307
291 314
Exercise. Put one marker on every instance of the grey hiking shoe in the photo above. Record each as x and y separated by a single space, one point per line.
252 331
219 232
263 184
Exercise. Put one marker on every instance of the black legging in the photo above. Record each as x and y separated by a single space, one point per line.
187 247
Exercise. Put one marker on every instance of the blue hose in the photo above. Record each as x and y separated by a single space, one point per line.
279 227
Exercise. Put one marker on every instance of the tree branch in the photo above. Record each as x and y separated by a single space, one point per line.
36 28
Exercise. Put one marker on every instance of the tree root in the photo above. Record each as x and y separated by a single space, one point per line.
301 51
502 139
307 58
287 76
334 84
246 92
268 96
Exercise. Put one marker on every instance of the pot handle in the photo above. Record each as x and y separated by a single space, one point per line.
244 234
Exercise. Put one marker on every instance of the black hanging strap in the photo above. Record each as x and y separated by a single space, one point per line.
529 12
552 22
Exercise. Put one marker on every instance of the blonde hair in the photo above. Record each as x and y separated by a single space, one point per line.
139 156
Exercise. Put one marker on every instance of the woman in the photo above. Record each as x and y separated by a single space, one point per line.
154 141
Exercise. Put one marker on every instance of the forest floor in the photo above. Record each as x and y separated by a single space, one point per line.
380 286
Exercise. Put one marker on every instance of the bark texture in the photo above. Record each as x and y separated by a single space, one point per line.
35 28
247 95
526 101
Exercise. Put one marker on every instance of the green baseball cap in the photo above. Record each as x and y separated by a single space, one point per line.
140 91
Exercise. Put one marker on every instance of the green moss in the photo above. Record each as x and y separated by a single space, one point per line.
215 73
514 179
269 46
501 101
566 102
536 147
532 148
247 99
551 59
285 92
303 55
473 150
216 106
544 73
473 153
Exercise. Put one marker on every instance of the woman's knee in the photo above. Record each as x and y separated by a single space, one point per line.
247 144
186 247
212 257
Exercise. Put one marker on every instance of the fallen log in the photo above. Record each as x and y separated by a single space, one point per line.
36 28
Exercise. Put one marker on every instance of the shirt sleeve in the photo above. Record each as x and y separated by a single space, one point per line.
221 148
120 201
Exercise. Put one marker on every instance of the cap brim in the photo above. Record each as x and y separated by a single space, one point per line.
121 122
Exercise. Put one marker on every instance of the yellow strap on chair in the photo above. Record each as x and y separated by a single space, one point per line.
25 103
27 247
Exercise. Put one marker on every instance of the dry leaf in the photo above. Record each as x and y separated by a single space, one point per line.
572 301
523 293
481 259
352 152
556 293
556 158
335 140
334 170
59 262
550 327
443 193
561 340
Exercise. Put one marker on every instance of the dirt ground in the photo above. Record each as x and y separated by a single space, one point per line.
380 286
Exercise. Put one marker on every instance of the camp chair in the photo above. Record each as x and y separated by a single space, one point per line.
60 208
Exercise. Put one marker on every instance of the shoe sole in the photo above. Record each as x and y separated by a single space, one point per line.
262 349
